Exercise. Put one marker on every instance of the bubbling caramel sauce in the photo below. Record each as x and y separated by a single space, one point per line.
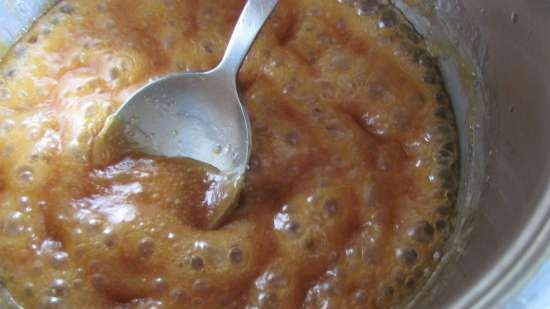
351 188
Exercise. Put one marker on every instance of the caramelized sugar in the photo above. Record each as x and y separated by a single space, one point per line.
350 188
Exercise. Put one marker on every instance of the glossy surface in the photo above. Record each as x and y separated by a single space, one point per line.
350 188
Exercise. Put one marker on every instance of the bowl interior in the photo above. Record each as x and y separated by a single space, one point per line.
495 58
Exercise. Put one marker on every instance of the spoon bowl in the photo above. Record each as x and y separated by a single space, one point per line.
192 115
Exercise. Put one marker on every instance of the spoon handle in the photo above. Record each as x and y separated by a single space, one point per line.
251 21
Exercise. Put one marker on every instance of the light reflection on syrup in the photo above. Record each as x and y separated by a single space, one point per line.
218 193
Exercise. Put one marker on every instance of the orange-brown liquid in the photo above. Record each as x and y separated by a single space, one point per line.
351 183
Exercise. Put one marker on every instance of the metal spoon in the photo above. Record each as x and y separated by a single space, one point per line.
199 115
